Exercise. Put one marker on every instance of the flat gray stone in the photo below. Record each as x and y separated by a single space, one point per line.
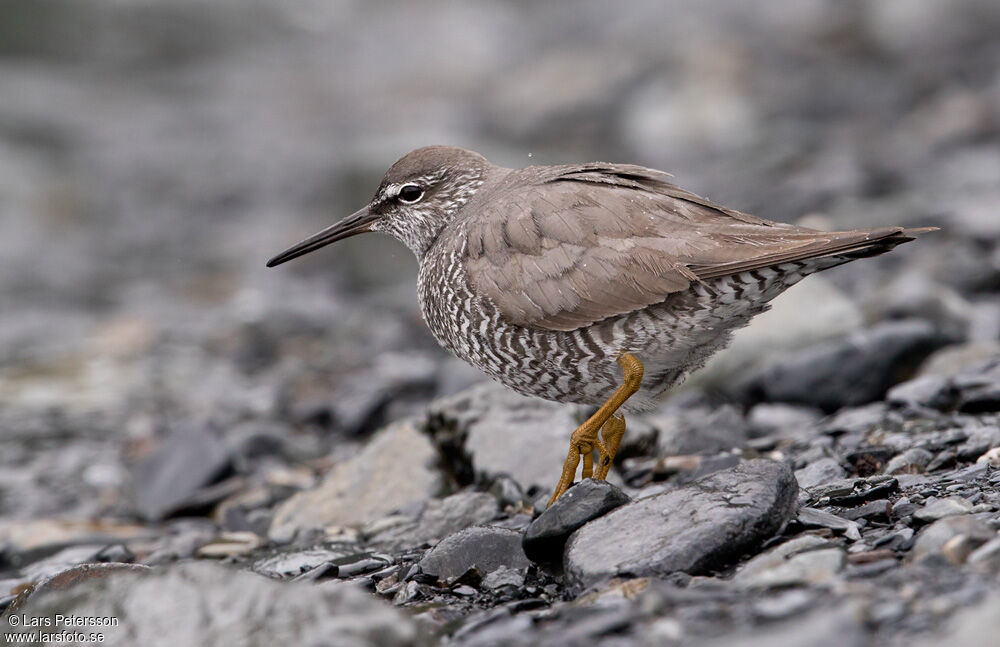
394 469
936 509
435 521
485 548
819 472
695 528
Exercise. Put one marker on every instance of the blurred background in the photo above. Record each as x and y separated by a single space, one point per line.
154 153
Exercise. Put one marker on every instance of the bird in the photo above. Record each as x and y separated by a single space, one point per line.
551 279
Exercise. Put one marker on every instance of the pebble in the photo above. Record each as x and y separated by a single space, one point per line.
584 502
933 539
936 508
483 548
819 472
694 528
813 518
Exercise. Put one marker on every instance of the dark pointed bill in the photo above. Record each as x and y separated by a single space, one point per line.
357 223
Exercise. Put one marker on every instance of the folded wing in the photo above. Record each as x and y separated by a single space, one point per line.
596 241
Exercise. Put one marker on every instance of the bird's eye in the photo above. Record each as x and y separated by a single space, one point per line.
410 193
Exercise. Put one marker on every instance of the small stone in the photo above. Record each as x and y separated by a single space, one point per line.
811 567
936 508
485 548
435 521
911 461
986 558
819 472
693 528
584 502
783 604
932 539
875 510
170 478
813 518
502 577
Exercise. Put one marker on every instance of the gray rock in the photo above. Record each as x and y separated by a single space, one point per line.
171 477
395 468
813 518
805 567
932 391
986 558
912 460
698 428
819 472
935 508
502 577
438 519
851 371
797 319
499 425
484 548
756 570
200 603
978 625
696 527
932 541
584 502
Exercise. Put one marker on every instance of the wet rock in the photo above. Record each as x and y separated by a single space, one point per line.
584 502
696 527
194 603
498 425
284 565
851 371
170 478
395 468
818 473
483 548
434 521
931 541
935 508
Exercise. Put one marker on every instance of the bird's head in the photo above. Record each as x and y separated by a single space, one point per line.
418 196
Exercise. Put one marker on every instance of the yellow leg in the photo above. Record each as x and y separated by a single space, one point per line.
611 437
584 439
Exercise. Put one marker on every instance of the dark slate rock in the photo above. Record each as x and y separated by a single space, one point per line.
201 603
586 501
854 370
171 477
484 548
695 528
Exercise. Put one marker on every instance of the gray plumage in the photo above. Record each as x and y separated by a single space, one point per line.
542 276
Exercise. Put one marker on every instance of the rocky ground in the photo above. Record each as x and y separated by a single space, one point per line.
214 453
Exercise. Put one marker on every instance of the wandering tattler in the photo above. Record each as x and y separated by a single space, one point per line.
545 277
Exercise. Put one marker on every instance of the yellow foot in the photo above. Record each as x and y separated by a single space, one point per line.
584 439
